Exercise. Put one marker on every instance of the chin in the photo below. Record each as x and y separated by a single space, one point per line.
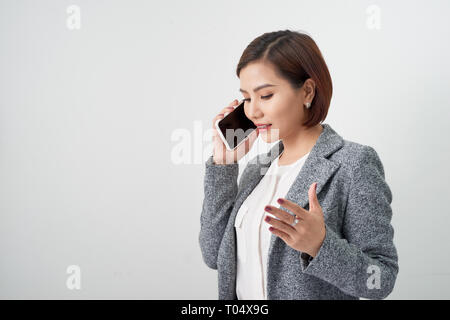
269 137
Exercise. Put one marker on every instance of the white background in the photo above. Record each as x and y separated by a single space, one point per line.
87 171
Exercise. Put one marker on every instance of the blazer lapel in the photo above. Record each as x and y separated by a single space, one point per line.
317 167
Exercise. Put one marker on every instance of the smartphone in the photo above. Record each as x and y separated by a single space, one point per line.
235 120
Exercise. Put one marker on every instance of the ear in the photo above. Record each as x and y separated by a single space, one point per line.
310 89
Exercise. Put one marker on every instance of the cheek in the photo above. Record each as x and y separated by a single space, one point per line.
285 112
288 120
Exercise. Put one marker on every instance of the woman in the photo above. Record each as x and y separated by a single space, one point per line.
311 218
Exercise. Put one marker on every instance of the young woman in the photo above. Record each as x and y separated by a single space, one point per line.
311 219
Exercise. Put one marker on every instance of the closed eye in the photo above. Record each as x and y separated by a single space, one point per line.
263 97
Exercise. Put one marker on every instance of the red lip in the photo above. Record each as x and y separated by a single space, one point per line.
261 124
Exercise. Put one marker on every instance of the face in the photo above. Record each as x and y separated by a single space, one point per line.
279 105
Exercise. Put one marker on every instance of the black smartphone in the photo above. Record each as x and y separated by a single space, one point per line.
238 125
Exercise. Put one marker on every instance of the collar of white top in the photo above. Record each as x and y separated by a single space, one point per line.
285 168
292 164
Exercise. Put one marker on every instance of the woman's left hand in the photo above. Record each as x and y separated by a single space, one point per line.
309 233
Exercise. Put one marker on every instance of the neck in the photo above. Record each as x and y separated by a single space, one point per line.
299 143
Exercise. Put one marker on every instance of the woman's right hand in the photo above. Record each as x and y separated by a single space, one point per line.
221 155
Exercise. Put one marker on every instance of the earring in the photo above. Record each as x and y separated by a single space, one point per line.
308 105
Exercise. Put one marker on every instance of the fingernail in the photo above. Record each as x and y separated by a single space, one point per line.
267 208
280 200
267 219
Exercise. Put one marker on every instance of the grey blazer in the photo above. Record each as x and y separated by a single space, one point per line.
357 258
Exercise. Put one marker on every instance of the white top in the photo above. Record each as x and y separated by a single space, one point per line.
253 235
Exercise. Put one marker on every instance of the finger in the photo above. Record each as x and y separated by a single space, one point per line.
280 225
280 213
227 109
230 107
219 116
215 135
286 238
294 208
223 113
312 194
233 103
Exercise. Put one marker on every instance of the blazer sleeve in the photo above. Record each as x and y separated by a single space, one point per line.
364 263
220 190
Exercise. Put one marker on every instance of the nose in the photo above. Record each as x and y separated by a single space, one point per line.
253 111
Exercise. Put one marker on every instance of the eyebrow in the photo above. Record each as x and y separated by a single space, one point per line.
259 87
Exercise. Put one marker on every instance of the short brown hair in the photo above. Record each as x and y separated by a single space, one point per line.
296 58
